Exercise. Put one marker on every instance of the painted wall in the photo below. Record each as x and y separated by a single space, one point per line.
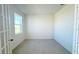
39 26
19 37
64 21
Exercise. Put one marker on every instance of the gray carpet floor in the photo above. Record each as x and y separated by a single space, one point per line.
40 46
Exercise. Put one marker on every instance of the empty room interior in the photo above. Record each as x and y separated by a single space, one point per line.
39 28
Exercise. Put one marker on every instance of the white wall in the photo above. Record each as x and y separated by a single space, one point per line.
19 37
39 26
64 21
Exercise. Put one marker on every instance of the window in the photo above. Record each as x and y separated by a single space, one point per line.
18 23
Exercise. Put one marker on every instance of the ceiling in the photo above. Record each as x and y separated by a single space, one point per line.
39 8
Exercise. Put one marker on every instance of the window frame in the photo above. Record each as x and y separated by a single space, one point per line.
20 25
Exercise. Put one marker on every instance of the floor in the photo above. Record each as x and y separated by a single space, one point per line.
40 46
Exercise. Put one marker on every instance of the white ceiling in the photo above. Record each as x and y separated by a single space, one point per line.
39 8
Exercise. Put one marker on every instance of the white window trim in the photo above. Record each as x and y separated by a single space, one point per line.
21 30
